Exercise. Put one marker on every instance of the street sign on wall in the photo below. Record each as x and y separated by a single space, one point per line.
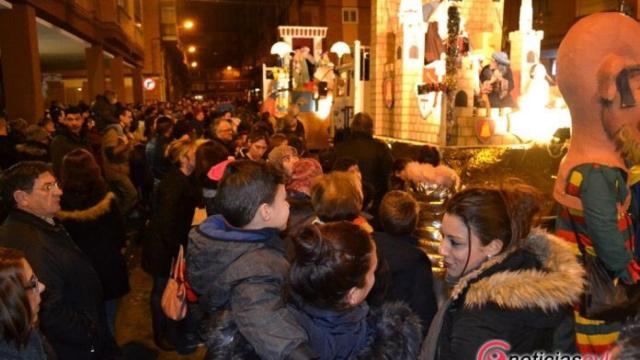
149 84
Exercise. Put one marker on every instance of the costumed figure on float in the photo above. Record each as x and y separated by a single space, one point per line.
599 76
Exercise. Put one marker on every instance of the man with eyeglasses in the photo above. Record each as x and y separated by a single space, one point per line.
222 132
72 312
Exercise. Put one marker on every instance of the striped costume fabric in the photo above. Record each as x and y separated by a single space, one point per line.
604 226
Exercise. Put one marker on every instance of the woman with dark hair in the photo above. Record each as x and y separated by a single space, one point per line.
91 215
332 272
512 284
209 154
20 293
176 199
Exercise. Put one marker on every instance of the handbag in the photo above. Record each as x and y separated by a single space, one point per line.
174 296
605 298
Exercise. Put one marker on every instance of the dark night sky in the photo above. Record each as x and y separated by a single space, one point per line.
232 32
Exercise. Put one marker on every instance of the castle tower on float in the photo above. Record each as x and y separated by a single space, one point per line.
525 48
408 67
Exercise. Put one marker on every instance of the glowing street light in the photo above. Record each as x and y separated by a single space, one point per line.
281 49
188 24
192 49
340 48
229 68
194 64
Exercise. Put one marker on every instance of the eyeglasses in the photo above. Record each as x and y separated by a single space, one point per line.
34 284
50 186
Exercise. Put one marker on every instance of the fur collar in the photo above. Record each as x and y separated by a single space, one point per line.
31 149
91 213
396 334
559 282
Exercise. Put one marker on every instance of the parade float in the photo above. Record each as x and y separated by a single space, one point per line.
426 76
420 77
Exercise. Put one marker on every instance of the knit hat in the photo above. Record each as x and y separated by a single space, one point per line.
501 58
303 173
278 153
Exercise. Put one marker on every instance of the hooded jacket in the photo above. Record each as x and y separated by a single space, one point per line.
240 273
391 331
519 296
99 231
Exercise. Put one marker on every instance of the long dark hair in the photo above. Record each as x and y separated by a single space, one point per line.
16 316
506 213
81 179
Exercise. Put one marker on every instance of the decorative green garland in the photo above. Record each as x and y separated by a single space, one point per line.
453 27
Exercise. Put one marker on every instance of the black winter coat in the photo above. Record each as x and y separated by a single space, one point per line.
374 160
72 309
518 297
64 143
409 275
175 203
99 232
7 152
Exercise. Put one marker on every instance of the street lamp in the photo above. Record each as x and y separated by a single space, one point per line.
192 49
281 49
340 48
188 24
194 64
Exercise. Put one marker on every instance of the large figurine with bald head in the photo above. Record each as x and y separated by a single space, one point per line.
599 76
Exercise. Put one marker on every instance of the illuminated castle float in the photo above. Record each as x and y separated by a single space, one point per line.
409 99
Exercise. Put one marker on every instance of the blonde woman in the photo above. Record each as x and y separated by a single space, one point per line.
175 202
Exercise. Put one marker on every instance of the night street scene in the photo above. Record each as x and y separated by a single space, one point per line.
320 179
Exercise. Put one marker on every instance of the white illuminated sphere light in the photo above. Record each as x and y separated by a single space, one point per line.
281 49
340 48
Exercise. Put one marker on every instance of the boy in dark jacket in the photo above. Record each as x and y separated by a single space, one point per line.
410 279
236 263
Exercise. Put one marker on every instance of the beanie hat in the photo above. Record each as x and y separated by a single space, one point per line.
280 152
303 173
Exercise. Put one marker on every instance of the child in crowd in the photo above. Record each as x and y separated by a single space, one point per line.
337 196
410 279
236 265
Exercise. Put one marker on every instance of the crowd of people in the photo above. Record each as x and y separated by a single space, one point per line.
290 254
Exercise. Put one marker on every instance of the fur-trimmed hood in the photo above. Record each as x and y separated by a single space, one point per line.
396 334
32 148
558 282
90 214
